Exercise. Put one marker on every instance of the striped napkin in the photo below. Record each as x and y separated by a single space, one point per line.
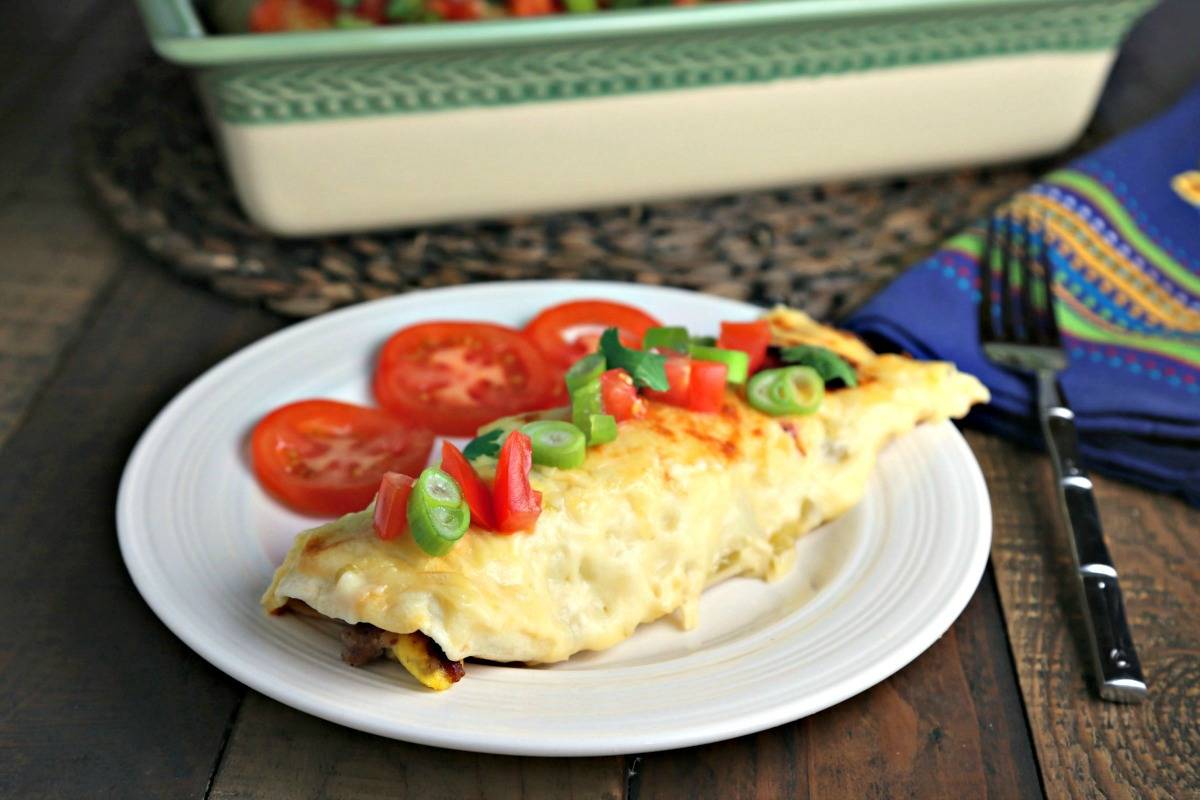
1122 226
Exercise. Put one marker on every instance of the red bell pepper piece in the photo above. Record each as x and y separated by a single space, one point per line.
679 375
620 397
706 389
751 338
474 490
517 504
391 505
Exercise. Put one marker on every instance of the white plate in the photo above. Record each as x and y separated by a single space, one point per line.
873 589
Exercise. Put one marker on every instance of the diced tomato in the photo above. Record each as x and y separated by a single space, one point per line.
751 338
706 389
620 397
269 16
530 8
567 332
327 458
391 505
453 377
517 504
457 10
474 490
679 376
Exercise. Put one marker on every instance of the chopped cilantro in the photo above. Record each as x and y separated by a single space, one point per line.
646 369
828 364
487 444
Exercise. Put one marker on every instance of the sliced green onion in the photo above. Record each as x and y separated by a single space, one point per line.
674 339
786 391
438 515
646 369
436 530
496 431
586 401
704 341
586 369
600 428
827 363
438 488
556 444
737 361
587 414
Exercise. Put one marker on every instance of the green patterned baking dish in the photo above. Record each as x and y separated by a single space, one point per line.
334 131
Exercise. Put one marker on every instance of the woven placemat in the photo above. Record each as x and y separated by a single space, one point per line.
148 154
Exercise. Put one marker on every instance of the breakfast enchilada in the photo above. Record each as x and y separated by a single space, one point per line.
562 530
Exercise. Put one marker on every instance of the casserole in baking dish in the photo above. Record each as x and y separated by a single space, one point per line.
332 131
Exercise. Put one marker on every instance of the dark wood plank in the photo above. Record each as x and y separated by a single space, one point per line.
1086 747
58 259
50 90
58 255
276 751
36 36
99 699
948 725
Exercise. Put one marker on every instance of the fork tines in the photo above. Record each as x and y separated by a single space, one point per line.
1016 281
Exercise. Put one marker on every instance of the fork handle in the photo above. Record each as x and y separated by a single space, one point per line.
1115 662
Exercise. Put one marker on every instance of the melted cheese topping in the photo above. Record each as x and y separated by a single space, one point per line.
679 501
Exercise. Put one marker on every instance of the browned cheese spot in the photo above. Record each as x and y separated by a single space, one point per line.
316 545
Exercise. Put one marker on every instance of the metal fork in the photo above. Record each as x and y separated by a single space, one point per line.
1016 280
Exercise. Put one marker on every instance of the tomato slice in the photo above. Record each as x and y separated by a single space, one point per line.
517 504
569 331
327 458
391 505
453 377
474 490
751 338
620 397
679 374
706 388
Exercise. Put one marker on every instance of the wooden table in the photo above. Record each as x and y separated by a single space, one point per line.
100 700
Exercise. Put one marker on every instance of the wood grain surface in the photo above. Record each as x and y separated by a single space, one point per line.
941 727
101 700
276 751
1087 747
58 256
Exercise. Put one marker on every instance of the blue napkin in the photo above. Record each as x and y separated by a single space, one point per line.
1122 227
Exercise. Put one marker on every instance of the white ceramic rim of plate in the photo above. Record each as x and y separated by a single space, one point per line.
706 717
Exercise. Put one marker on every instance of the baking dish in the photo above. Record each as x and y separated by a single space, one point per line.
334 131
